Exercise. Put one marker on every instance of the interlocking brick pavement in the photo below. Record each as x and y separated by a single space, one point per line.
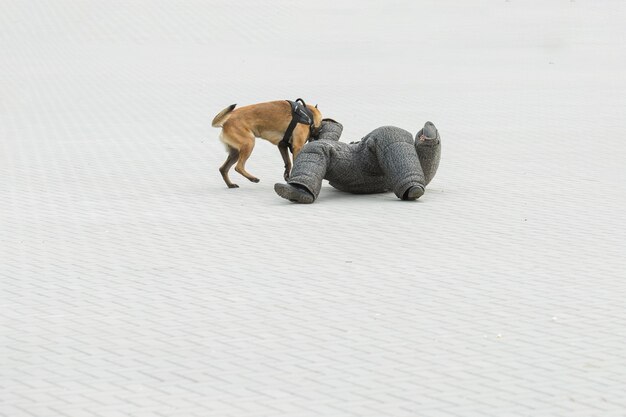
133 283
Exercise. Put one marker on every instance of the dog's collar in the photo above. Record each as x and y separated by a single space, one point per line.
300 113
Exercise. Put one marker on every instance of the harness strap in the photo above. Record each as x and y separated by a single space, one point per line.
299 114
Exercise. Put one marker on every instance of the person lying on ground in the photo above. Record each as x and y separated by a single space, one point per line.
386 159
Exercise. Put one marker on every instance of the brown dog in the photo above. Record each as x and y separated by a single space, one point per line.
268 121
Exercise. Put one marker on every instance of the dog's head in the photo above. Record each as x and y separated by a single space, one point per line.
317 120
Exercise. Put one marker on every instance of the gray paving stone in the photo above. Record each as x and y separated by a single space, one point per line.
133 283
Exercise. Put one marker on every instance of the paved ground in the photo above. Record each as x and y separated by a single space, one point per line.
133 283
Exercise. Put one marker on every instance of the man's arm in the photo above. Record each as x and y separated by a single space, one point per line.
428 147
330 130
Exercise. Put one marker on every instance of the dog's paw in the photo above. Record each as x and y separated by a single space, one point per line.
255 179
233 186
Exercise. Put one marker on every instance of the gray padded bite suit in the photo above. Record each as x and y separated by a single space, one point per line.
387 159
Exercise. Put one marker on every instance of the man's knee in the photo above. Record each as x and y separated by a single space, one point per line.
388 135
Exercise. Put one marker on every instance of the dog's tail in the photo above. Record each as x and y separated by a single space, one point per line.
222 116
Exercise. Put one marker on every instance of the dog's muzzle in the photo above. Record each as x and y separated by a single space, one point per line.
315 132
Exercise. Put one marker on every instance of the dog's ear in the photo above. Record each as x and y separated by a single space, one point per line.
316 106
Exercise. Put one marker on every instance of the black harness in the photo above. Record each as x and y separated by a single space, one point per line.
299 114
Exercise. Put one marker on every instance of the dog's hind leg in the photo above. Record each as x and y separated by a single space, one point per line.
233 155
244 154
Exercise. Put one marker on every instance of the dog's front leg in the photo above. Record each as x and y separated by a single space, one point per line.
284 152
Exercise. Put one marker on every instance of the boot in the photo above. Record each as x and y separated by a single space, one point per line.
413 193
294 192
